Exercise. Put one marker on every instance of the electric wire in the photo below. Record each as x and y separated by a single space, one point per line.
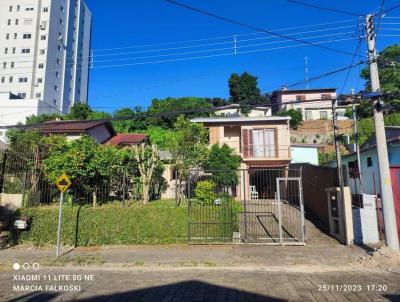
325 8
254 27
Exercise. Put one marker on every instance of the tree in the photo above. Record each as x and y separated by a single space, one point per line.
148 159
88 164
296 117
188 148
38 119
130 120
158 108
389 75
243 90
223 164
79 111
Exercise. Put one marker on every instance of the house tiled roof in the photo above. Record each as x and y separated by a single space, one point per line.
72 126
127 139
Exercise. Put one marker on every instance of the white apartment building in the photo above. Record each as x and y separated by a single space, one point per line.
45 51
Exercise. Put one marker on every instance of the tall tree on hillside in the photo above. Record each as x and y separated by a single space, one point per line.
130 120
164 113
244 91
389 75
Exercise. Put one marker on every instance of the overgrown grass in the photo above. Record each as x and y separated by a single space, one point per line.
155 223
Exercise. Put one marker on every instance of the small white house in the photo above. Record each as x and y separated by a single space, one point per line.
233 110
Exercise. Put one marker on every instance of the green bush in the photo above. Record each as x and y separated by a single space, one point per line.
204 192
155 223
13 186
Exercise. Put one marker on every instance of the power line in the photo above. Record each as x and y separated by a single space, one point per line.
352 62
325 8
254 27
181 59
191 46
380 17
391 9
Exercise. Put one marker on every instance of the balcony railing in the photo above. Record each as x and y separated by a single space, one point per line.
260 151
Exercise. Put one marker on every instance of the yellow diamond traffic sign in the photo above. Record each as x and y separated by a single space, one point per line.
63 183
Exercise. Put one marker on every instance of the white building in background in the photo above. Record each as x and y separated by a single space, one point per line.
44 53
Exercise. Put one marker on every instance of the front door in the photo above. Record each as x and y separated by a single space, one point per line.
395 176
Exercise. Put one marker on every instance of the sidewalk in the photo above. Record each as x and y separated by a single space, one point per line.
313 257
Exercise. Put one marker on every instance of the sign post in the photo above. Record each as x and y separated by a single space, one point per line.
62 183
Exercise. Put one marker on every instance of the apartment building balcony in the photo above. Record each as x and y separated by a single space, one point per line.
259 152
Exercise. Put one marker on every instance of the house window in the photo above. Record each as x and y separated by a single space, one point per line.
369 161
45 9
40 80
42 51
264 143
16 21
9 22
353 169
3 79
25 50
5 50
7 36
22 95
23 80
10 8
323 115
4 65
29 9
18 8
55 102
26 36
12 64
57 74
56 88
300 98
15 36
38 95
41 66
325 96
42 37
10 79
309 115
13 50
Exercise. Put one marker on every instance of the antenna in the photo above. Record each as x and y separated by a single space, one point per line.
306 72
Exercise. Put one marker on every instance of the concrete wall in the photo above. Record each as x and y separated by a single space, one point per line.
315 180
365 222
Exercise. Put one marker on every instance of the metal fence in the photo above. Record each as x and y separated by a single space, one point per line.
24 183
258 205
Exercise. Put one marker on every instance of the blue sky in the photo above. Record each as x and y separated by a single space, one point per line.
130 25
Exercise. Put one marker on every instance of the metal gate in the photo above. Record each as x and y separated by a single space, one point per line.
259 205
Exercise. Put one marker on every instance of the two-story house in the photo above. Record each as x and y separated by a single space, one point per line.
314 104
263 144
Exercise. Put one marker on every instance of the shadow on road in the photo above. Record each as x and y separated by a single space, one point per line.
182 291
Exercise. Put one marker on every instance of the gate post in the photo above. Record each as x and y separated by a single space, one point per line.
279 211
189 206
303 228
245 204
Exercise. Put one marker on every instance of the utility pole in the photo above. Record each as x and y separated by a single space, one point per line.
392 240
339 168
356 142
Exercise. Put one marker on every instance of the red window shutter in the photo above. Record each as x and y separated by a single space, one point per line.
247 142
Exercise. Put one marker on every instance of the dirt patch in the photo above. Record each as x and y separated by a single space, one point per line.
382 257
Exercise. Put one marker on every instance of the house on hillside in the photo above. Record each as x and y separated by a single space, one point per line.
263 144
367 180
233 110
314 104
